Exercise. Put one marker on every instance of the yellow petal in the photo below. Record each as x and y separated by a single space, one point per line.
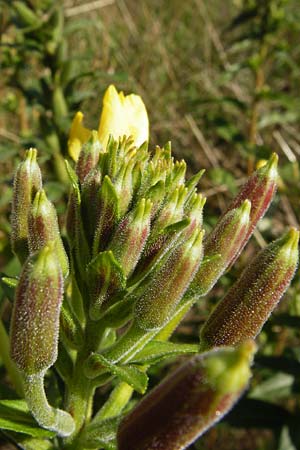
123 115
78 136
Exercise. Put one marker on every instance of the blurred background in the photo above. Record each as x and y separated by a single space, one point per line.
220 79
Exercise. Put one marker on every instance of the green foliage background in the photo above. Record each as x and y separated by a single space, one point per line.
221 80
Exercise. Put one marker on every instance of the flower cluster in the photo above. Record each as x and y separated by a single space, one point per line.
105 306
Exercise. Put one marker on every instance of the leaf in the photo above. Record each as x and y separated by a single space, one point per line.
285 442
130 374
155 351
15 416
11 282
274 388
101 435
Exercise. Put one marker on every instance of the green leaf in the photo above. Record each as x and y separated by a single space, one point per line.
73 177
101 435
274 388
11 282
130 374
285 442
155 351
118 314
15 416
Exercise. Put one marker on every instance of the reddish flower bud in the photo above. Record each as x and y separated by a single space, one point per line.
130 237
248 304
221 246
108 215
43 228
27 182
259 190
35 319
188 401
166 285
89 194
88 156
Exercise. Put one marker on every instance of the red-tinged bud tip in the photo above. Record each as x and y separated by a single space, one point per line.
27 182
43 228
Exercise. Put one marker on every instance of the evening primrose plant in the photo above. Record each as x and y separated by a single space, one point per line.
99 307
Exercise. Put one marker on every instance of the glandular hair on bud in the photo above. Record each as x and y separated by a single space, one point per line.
247 305
35 318
88 157
259 190
221 246
188 401
131 235
43 228
27 182
166 286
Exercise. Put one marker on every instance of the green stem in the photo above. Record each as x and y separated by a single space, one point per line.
116 402
81 389
10 366
47 417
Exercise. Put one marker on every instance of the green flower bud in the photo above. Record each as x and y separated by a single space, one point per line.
106 278
131 235
247 305
88 157
165 286
43 228
221 247
188 401
35 318
89 193
108 215
27 182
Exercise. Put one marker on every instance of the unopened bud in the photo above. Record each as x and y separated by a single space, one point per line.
221 246
188 401
88 157
108 214
166 285
106 278
35 319
27 182
89 193
259 190
247 305
43 228
130 237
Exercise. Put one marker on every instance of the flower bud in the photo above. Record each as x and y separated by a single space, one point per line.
166 285
188 401
35 318
89 193
88 157
221 246
27 182
247 305
130 237
43 228
108 215
106 278
259 190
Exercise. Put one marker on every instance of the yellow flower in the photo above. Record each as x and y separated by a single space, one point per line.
121 115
